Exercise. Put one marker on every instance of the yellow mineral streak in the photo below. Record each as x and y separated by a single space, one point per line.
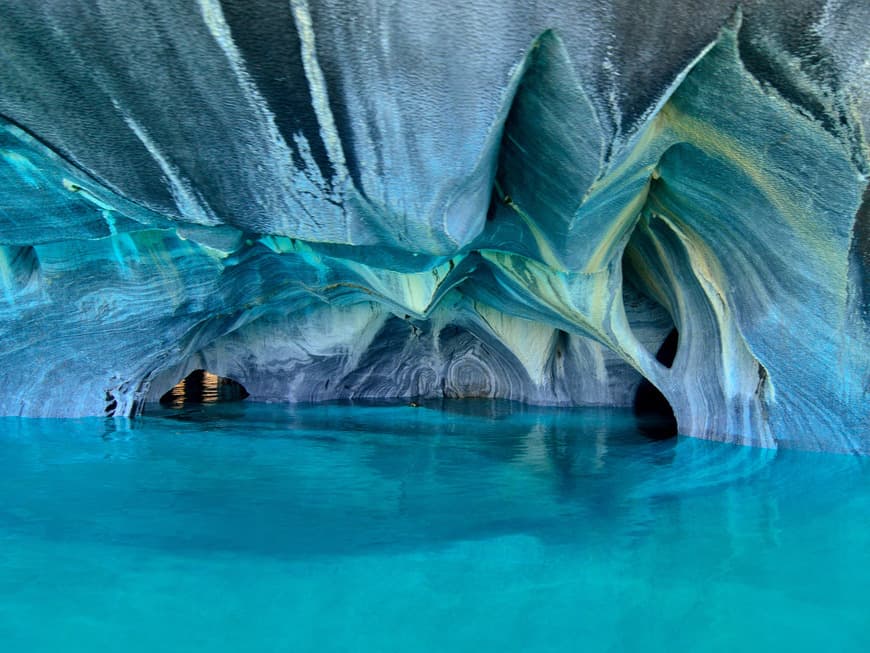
751 161
714 282
559 292
531 342
620 225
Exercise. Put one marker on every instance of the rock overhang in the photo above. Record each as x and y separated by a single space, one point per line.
538 245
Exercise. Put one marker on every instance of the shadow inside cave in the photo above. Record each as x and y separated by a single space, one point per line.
203 387
655 416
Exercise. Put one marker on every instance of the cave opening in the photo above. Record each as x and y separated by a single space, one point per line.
655 416
203 387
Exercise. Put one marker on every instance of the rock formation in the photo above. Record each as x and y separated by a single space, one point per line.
326 199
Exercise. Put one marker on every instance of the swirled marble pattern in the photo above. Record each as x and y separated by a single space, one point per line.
330 200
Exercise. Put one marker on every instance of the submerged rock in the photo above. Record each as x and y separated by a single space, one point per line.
323 201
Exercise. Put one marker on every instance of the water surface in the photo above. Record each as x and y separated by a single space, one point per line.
477 526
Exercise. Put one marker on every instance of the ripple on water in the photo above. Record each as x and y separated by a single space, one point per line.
437 527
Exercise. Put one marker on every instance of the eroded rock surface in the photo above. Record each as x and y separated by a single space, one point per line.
329 200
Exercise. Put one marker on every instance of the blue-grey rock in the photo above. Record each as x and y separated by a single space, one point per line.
328 200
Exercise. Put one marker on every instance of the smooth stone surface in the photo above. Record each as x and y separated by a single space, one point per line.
494 200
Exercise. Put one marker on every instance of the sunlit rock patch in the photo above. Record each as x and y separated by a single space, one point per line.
493 224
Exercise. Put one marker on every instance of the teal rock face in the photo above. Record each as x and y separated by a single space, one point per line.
325 202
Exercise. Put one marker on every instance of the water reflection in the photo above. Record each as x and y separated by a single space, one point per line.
319 479
538 501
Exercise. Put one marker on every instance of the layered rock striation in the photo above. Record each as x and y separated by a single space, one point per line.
326 200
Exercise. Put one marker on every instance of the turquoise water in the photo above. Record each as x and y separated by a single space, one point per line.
480 527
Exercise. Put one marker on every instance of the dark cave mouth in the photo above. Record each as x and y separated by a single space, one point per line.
655 416
203 387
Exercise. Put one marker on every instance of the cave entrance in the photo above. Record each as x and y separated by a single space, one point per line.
655 417
203 387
